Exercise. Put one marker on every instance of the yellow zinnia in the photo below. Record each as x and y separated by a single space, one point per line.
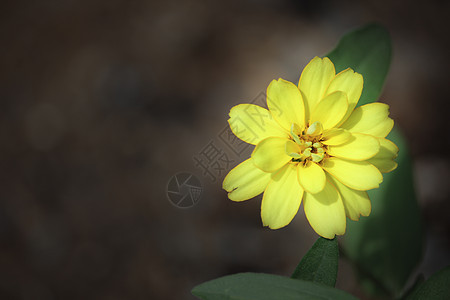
312 144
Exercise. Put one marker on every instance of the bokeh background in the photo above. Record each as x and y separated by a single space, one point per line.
102 102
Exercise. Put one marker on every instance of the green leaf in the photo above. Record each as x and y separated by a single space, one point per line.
435 288
320 264
367 51
386 246
259 286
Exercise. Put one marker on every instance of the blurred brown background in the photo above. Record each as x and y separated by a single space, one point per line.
102 102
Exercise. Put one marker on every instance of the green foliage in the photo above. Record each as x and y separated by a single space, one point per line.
366 50
320 264
386 246
437 287
257 286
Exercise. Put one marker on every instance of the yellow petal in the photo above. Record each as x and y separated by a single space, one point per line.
384 160
330 110
387 150
252 123
315 128
270 154
358 147
245 181
285 103
356 203
370 119
292 149
282 198
315 78
358 175
335 136
384 165
311 177
325 212
351 83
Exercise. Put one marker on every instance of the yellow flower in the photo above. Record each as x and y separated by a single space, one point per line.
312 144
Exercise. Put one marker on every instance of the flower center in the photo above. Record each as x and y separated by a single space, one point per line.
309 143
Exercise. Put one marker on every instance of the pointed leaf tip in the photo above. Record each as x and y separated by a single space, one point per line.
320 264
